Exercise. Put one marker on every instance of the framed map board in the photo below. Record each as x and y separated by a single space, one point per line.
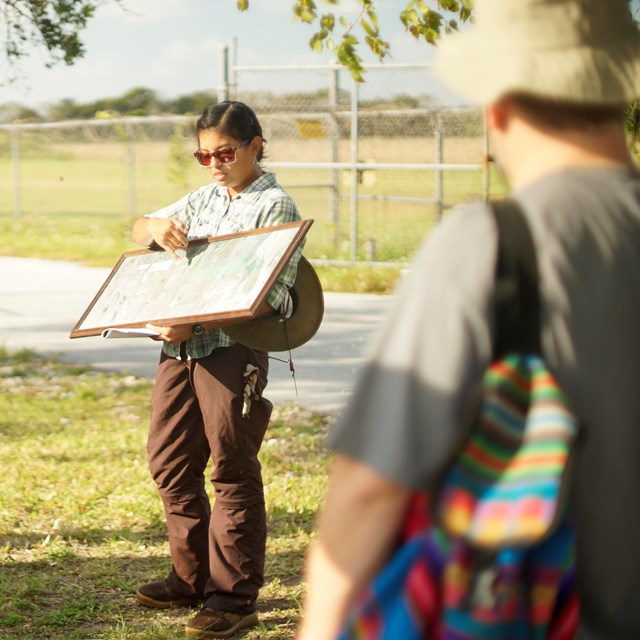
222 278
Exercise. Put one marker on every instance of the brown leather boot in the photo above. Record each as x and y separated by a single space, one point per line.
213 623
158 595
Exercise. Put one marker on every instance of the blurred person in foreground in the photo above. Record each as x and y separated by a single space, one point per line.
197 405
554 77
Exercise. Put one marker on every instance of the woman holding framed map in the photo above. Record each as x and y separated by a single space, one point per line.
197 403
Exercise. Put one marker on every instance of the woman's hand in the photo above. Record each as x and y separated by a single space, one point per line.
174 334
169 233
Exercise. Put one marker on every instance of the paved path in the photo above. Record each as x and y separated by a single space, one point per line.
41 301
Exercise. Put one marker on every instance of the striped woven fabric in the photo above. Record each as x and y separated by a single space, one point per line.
436 589
499 561
512 594
504 489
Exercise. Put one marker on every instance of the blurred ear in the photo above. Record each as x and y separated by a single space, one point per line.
255 145
498 114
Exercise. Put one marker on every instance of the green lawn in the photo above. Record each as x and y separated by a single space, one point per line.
78 203
81 525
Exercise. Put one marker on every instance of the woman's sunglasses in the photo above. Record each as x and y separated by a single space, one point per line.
223 156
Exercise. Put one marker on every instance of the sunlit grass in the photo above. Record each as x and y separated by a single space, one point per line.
81 525
77 201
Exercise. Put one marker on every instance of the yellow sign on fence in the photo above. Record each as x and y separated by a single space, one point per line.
310 128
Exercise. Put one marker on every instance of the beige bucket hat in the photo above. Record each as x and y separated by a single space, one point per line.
579 51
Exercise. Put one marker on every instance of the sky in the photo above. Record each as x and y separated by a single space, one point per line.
173 47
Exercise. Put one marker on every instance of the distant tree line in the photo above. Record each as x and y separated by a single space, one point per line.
138 101
141 101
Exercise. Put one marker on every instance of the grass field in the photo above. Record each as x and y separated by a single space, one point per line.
81 525
77 201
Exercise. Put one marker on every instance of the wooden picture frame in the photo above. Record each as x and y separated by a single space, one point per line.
223 277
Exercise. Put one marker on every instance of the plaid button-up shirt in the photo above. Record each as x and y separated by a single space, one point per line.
209 211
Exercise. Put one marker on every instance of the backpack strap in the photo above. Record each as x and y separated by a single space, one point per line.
517 298
508 482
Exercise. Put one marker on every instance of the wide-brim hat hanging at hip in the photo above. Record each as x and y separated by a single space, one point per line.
271 333
577 51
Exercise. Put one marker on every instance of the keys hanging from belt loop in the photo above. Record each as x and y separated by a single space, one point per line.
249 390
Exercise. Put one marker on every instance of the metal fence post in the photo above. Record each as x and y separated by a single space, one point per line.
439 162
231 73
15 160
334 93
223 83
131 169
355 94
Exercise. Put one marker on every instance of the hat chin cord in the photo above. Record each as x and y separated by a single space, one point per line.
290 360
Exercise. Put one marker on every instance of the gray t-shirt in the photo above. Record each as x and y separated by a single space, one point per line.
416 394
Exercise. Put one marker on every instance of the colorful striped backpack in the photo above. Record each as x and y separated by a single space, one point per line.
490 554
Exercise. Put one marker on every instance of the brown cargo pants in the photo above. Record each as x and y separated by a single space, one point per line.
196 416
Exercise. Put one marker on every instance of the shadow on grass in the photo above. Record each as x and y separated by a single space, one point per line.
155 533
75 599
68 596
79 588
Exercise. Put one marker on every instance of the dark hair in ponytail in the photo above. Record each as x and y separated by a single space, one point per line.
234 119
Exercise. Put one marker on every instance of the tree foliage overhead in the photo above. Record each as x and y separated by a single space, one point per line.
422 19
54 25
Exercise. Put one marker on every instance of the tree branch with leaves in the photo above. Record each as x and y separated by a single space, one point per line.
422 20
55 25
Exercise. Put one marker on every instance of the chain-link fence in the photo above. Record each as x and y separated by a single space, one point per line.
374 164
